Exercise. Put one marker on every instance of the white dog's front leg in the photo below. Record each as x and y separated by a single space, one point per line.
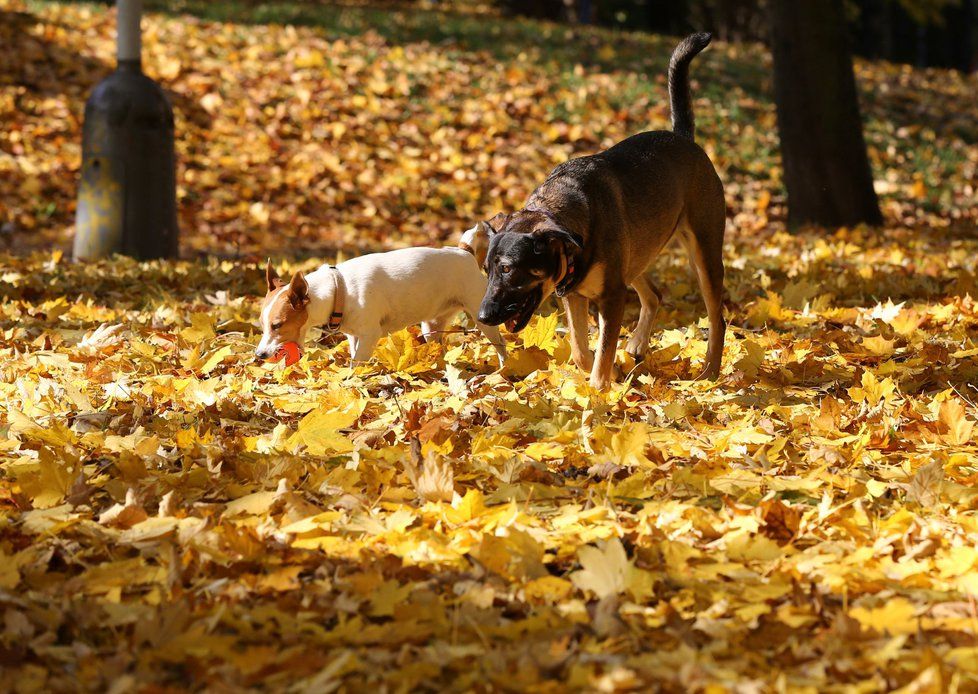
431 330
471 308
496 338
365 347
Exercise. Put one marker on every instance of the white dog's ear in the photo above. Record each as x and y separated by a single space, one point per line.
271 279
476 242
298 291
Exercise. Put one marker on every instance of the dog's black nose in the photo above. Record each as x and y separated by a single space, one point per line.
487 316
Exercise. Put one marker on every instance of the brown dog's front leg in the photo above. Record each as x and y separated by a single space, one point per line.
610 311
575 310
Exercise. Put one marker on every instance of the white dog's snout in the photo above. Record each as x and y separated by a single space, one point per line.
266 346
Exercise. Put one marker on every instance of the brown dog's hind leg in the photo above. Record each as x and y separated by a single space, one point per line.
610 311
650 297
706 256
575 310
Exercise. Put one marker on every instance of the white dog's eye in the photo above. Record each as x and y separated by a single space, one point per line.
277 326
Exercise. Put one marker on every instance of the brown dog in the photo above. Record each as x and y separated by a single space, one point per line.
596 224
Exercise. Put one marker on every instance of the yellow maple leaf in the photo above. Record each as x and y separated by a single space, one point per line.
958 429
201 328
319 431
896 616
878 345
215 358
400 352
767 309
250 505
627 446
387 596
606 570
308 59
548 589
873 391
750 363
514 554
541 332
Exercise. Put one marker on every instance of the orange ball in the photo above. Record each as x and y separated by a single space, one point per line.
290 352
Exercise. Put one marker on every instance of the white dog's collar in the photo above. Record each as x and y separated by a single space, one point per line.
339 300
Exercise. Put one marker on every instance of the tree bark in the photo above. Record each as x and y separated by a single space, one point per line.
826 170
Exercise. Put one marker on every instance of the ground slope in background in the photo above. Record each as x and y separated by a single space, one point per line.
375 129
174 514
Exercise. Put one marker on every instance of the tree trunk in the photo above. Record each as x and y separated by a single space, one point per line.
585 12
826 170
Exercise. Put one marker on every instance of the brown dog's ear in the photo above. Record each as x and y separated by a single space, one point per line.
298 291
553 236
496 223
271 279
563 246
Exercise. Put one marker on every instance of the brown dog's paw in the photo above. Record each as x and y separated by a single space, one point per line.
710 373
637 351
585 362
603 382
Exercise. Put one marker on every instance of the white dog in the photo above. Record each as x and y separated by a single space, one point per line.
368 297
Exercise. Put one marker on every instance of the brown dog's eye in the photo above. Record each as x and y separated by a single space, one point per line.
277 326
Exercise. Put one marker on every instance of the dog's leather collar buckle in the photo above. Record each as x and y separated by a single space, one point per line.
339 299
569 276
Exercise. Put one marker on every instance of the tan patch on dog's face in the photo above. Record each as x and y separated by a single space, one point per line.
281 321
285 321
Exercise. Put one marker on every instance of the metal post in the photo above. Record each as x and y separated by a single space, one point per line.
127 195
130 36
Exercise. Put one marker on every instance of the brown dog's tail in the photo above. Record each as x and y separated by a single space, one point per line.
680 101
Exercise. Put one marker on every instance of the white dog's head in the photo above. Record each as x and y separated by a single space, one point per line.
284 313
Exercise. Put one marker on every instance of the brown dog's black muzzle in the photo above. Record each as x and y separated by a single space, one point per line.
514 310
491 312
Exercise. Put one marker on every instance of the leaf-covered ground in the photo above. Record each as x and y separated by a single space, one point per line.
376 129
174 514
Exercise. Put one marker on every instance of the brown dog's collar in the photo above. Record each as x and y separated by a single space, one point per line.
339 300
566 272
566 276
466 247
